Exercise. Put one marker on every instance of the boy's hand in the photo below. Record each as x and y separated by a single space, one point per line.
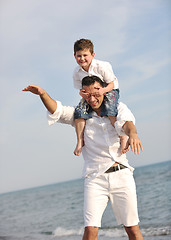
34 89
83 94
101 91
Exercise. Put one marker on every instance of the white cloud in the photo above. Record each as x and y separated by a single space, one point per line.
149 96
144 67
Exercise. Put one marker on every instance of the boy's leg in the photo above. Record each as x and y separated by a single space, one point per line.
123 139
123 142
79 126
112 120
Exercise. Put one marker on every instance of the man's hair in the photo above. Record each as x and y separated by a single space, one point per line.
83 44
89 80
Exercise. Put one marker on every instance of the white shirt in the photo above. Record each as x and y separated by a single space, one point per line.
101 69
102 142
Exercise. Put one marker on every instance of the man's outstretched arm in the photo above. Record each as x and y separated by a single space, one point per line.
49 103
133 140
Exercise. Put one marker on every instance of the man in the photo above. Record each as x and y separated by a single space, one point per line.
107 173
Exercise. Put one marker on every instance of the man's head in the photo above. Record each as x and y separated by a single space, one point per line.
91 85
84 53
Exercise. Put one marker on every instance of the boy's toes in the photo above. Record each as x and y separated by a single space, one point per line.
77 152
125 150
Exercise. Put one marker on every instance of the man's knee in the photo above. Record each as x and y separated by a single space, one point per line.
90 233
134 232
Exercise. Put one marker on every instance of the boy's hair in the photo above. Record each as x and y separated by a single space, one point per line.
83 44
89 80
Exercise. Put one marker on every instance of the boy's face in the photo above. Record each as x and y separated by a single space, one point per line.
84 58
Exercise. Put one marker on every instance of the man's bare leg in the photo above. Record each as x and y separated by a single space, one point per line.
134 233
79 126
90 233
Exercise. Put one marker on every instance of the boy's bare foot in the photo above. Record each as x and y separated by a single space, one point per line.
124 145
78 149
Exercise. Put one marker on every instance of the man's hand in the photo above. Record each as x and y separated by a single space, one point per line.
49 103
34 89
133 140
135 143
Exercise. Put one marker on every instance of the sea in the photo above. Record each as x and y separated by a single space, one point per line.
56 211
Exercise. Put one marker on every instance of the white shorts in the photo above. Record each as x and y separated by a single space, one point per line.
118 187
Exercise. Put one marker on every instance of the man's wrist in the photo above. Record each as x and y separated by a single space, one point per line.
43 94
133 134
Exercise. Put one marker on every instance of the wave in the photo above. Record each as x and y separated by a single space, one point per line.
157 231
114 232
62 232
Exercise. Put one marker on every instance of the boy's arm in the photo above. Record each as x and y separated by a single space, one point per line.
101 90
133 140
48 102
106 89
106 71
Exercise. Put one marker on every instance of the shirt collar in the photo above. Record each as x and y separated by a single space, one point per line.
78 68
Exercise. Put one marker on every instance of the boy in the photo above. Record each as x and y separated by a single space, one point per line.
88 66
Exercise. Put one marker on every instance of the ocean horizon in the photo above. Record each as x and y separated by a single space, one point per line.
55 211
69 180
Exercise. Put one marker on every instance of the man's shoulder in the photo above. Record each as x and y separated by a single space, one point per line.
122 105
124 112
63 114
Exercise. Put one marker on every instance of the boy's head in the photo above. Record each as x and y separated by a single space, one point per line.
84 53
83 44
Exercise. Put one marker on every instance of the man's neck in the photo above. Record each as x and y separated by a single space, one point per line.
98 111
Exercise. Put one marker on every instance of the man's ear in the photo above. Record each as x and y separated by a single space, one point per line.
93 54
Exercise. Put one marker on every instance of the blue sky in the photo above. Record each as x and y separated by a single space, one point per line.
36 45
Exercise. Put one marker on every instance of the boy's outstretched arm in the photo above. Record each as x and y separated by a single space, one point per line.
49 103
133 140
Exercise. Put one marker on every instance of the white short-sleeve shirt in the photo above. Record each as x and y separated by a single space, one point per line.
98 68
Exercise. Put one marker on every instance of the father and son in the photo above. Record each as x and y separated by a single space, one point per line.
105 129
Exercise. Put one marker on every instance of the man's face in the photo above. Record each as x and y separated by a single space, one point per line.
84 58
94 99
